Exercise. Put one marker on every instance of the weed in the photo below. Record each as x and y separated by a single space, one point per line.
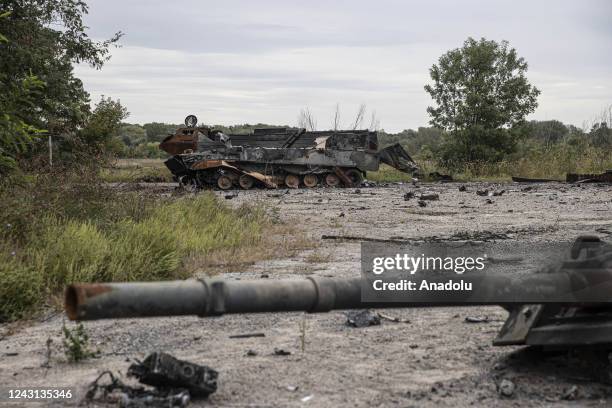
318 257
303 328
76 343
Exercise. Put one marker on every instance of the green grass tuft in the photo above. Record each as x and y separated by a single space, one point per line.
88 236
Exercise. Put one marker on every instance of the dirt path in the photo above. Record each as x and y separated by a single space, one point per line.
435 360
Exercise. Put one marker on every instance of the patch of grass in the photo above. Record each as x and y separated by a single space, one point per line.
101 235
388 174
133 171
318 257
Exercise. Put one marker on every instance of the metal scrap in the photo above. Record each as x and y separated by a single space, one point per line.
116 392
246 335
163 371
429 196
362 318
506 388
605 177
393 319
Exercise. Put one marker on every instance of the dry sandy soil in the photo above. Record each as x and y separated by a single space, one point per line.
437 359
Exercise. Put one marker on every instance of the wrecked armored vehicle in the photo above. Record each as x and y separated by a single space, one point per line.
273 157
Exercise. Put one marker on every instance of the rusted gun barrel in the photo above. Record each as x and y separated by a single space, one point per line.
211 297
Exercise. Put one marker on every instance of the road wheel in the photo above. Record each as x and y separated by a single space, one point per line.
292 181
332 180
311 180
355 176
224 182
246 181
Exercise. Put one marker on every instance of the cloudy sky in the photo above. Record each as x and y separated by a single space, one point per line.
262 61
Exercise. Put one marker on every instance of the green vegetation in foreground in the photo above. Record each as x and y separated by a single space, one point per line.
55 233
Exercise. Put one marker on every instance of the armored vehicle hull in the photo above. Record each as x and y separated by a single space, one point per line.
278 156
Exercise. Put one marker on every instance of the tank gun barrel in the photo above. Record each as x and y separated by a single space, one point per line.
214 297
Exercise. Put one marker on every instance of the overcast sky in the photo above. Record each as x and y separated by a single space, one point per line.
245 61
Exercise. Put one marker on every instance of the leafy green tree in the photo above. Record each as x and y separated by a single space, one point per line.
16 133
156 131
546 131
46 38
101 132
481 93
132 135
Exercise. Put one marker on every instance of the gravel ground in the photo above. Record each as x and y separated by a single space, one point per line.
437 359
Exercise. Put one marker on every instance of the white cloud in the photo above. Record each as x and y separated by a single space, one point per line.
239 61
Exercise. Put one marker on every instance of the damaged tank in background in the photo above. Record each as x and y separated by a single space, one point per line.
272 157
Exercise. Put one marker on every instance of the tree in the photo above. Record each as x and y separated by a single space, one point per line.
16 134
546 131
101 132
481 93
156 131
46 38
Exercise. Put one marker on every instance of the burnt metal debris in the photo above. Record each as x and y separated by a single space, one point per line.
274 157
362 318
114 391
162 370
605 177
575 322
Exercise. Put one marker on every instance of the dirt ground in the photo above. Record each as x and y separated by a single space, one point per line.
437 359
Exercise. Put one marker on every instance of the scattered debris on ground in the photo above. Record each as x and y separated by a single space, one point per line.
570 394
429 196
533 180
605 177
394 319
162 371
436 176
246 335
422 203
506 388
123 395
477 319
362 318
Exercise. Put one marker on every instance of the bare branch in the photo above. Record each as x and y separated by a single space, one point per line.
374 122
337 117
306 120
359 117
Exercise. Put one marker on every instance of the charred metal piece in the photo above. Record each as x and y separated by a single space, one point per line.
581 313
116 392
277 156
163 371
605 177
